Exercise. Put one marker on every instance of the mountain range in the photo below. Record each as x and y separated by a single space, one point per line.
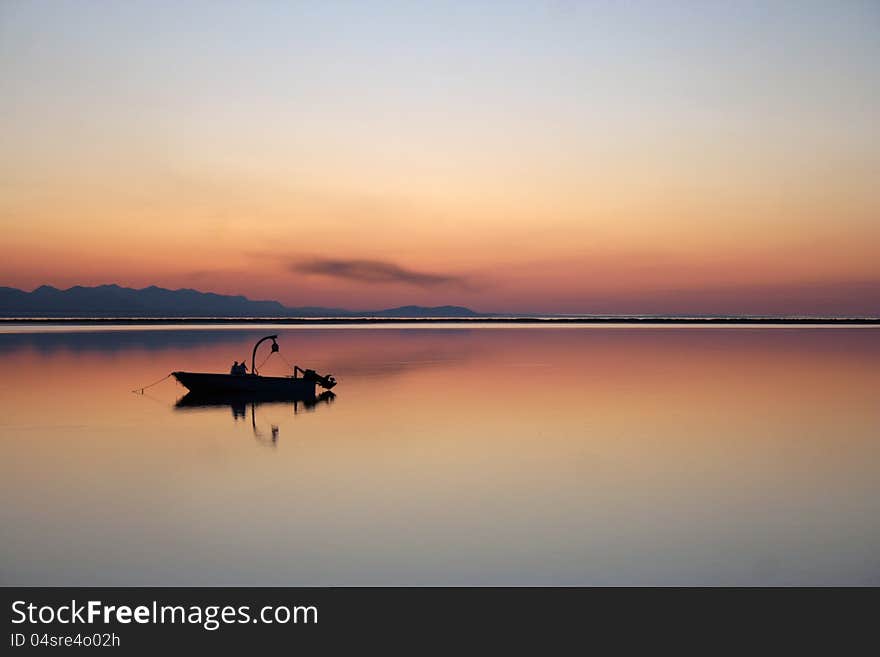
117 301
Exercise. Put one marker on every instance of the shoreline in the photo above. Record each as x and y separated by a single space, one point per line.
320 321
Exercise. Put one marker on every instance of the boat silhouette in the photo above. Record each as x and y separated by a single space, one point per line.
302 384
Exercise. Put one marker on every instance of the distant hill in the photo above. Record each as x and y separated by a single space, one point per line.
116 301
422 311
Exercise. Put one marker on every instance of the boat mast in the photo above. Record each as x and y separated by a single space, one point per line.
256 346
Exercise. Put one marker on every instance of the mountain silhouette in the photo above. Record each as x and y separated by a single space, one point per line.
117 301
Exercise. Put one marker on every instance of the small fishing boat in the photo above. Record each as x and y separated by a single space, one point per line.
301 384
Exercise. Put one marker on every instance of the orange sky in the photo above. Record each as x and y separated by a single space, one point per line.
580 158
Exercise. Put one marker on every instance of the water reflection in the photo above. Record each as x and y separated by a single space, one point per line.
471 456
240 403
102 340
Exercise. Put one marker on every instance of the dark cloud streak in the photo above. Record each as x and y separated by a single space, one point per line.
377 272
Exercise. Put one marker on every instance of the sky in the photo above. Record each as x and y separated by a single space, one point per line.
553 157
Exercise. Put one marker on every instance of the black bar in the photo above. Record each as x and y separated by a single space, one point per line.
418 620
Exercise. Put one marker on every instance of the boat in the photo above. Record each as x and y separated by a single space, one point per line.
301 384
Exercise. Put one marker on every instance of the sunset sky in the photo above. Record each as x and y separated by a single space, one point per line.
717 157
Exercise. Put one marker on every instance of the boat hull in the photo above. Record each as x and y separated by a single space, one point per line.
279 386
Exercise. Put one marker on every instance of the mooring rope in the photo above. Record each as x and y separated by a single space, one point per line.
154 383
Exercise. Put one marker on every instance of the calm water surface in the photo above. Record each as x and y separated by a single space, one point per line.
498 455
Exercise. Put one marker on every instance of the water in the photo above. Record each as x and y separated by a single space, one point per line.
451 455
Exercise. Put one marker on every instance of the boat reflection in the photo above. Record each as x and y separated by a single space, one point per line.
239 403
